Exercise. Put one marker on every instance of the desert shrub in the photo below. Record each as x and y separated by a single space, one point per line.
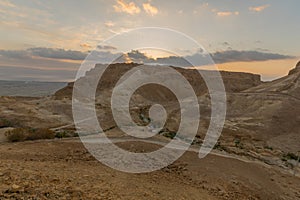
105 130
238 143
269 148
144 118
16 135
42 133
66 134
219 147
61 134
76 134
5 123
290 156
23 134
168 133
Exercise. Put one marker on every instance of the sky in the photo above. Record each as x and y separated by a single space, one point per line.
47 40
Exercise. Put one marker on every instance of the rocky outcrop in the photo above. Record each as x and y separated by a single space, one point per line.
296 69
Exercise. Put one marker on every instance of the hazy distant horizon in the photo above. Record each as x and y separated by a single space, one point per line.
29 88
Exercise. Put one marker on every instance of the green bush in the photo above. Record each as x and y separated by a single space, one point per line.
219 147
290 156
167 133
170 134
23 134
62 134
269 148
238 143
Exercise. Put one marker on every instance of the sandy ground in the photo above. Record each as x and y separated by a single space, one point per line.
63 169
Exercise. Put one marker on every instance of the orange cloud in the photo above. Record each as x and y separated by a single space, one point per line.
226 14
109 24
149 9
129 8
5 3
259 8
85 46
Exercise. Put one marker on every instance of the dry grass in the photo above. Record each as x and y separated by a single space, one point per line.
23 134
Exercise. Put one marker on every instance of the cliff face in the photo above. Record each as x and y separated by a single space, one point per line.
296 69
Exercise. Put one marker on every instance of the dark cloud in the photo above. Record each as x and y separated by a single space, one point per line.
262 49
201 59
246 56
135 54
173 60
106 48
225 44
45 53
14 53
57 53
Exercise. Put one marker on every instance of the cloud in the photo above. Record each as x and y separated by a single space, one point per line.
246 56
137 56
57 53
106 48
5 3
201 59
259 8
129 8
41 56
14 53
46 64
226 14
60 54
23 65
85 46
149 9
109 24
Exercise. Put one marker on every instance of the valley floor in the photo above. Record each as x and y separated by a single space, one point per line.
63 169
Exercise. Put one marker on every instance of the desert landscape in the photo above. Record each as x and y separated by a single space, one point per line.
149 100
257 156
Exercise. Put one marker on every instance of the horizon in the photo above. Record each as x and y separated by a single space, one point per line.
187 68
223 67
